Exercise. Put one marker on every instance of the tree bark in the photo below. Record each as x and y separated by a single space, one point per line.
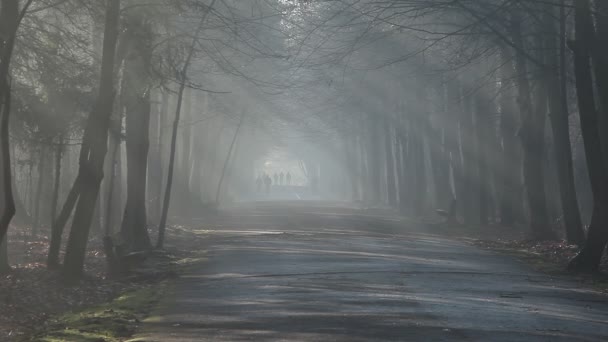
136 96
470 203
511 163
482 125
180 96
531 134
561 135
38 195
95 142
59 225
186 147
599 56
418 166
390 165
57 182
404 204
134 225
589 257
227 161
110 197
374 160
154 164
9 22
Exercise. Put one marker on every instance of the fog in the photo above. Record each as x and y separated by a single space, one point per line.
126 122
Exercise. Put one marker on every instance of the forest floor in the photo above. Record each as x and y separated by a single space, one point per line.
550 257
322 271
35 301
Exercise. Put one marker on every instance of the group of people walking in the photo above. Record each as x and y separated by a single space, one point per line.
264 180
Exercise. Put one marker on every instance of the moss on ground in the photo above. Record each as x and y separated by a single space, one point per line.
111 322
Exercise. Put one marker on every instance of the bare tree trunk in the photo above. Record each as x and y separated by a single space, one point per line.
161 140
136 92
95 142
167 199
482 126
10 18
134 225
406 181
561 134
227 160
599 57
57 182
59 225
511 163
418 165
452 143
154 163
109 222
8 205
186 144
440 163
180 96
38 195
390 165
374 161
469 171
29 192
589 257
532 138
5 267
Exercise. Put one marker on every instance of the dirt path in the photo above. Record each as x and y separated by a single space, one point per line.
316 273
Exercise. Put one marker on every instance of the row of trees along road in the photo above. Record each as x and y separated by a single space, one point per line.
472 106
487 109
79 79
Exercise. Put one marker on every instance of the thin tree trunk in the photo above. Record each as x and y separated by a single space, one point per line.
186 144
57 182
154 165
452 144
511 164
227 161
29 192
418 166
405 182
38 195
482 125
109 223
374 161
390 165
180 96
158 192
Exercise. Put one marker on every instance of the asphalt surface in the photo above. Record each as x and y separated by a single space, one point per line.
323 272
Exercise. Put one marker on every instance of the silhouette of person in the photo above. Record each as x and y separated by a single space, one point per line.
258 183
267 182
288 178
281 178
275 178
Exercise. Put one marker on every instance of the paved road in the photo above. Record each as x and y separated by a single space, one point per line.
295 272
